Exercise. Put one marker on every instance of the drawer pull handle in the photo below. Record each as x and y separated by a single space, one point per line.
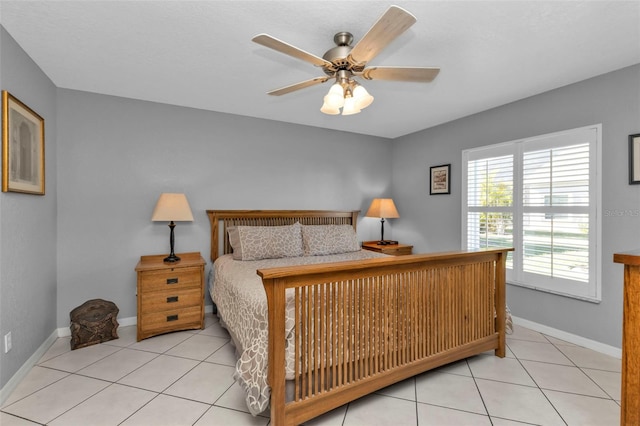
172 318
172 299
172 281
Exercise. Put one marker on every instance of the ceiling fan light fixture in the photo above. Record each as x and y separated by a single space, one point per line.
327 108
335 97
362 98
350 106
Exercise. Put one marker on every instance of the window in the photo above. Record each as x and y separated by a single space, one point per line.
540 196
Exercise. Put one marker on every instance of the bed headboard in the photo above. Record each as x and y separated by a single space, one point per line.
220 220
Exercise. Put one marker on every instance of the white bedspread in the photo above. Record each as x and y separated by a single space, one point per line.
239 295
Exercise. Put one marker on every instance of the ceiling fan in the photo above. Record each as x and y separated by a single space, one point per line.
344 62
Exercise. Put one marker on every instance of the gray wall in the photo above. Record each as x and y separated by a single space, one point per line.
433 223
27 224
117 155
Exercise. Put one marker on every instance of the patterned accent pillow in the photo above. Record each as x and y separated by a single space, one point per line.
266 242
321 240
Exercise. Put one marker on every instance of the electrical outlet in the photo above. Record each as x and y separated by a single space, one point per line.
7 342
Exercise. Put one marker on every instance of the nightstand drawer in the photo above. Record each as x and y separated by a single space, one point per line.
164 300
170 280
172 319
397 251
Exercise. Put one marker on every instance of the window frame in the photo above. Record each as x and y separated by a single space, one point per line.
591 290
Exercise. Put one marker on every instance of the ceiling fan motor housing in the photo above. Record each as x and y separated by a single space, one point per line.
338 55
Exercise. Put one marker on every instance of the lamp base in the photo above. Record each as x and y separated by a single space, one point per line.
172 258
386 243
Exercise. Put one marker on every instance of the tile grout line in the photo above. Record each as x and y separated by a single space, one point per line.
24 418
475 382
415 398
583 372
81 402
538 386
37 390
139 408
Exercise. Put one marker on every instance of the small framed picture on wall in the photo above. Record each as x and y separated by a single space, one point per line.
440 179
634 159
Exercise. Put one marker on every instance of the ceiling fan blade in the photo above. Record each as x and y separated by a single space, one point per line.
394 22
298 86
282 47
417 74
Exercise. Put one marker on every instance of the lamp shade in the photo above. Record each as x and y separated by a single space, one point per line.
362 97
335 97
383 208
328 109
172 207
350 106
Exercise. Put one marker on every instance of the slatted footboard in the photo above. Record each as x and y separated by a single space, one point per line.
361 326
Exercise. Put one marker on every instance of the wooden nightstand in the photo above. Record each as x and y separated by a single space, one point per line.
170 296
392 249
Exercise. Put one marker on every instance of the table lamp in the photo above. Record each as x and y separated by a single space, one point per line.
172 207
383 207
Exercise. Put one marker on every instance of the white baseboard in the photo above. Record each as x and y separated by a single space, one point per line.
571 338
60 332
26 367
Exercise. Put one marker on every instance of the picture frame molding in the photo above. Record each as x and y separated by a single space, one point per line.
440 179
34 180
634 159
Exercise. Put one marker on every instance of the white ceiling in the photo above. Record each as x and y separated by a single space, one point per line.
199 54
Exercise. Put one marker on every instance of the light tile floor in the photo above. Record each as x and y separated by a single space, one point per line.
185 378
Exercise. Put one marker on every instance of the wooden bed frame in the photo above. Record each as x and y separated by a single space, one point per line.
363 325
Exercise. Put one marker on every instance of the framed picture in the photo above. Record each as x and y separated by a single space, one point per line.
634 159
22 147
440 181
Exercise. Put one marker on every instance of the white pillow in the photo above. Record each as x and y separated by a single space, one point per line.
320 240
266 242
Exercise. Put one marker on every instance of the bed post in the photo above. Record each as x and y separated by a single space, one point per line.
213 219
354 219
501 303
275 291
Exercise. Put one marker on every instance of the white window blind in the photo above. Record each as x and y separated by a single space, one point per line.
540 196
490 203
